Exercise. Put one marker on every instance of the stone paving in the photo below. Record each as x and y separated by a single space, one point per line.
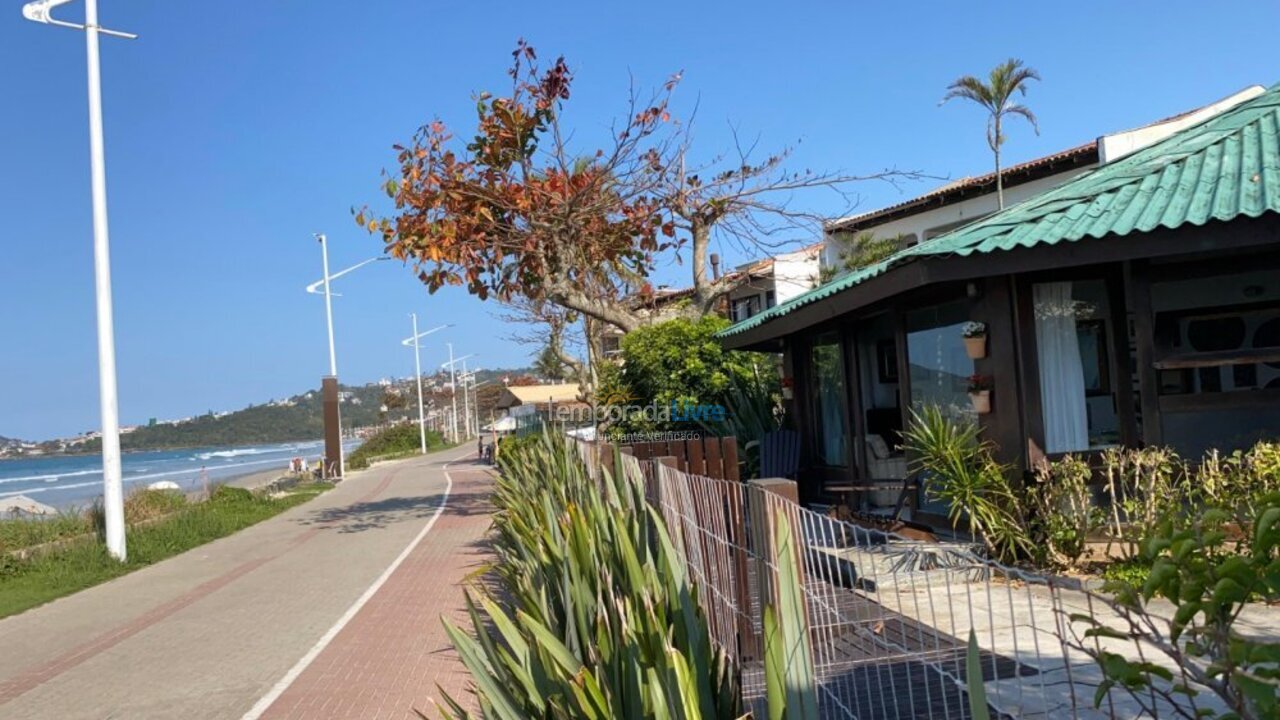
210 633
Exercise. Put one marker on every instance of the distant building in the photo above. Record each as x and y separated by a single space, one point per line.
525 400
773 281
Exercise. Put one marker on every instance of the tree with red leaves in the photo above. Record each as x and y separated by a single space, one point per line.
516 213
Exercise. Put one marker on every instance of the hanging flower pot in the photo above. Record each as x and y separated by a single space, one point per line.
980 393
975 340
981 401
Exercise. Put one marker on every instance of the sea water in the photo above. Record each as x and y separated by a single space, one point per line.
75 481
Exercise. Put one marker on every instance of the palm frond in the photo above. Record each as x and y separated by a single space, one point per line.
971 88
1024 111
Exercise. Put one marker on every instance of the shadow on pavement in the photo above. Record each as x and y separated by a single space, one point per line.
373 515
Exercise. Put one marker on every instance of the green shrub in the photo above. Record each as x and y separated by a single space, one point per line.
393 441
229 494
679 363
1065 515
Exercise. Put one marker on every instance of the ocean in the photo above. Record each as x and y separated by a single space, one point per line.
76 481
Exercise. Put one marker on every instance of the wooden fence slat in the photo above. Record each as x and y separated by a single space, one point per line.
697 466
711 449
729 450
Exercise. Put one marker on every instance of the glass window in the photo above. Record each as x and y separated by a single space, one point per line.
937 361
1222 333
939 370
1217 338
1078 405
827 379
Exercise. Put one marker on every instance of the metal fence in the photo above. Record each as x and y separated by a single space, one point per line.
889 617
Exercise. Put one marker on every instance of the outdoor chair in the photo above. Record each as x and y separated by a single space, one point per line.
780 454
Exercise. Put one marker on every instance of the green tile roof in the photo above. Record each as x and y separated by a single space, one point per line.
1219 169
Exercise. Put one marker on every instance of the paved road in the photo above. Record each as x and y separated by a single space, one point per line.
330 610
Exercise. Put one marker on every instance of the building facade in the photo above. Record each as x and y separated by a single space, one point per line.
1136 303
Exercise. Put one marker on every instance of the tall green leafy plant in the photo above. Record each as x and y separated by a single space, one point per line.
600 619
789 673
959 470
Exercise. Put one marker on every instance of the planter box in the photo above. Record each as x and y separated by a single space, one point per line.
981 401
976 347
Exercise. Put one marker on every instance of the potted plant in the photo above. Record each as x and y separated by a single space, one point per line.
975 339
980 393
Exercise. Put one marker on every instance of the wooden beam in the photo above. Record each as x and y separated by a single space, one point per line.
1245 356
1198 402
1139 296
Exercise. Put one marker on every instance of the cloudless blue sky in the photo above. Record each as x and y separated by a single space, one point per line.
237 128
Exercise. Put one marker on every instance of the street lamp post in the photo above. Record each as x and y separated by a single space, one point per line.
112 484
417 370
453 385
466 378
329 385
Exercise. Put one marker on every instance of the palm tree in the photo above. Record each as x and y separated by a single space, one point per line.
996 95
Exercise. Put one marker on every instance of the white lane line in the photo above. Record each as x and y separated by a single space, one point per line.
274 694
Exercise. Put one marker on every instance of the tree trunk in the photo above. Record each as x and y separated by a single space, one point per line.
999 179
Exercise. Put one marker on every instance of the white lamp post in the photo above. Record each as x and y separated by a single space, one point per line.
315 289
417 370
453 385
112 486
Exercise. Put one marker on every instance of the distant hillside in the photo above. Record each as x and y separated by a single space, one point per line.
296 418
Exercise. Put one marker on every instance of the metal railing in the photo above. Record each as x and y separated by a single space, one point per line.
889 617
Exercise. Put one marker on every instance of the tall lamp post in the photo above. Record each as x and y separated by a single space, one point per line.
417 371
329 385
453 385
112 485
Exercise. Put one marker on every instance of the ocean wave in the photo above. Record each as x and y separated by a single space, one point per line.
234 453
191 475
49 477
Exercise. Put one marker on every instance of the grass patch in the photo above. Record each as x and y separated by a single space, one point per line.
21 532
165 526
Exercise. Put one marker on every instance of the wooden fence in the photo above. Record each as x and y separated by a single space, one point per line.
713 457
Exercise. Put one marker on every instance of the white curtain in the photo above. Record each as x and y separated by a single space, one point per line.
1066 423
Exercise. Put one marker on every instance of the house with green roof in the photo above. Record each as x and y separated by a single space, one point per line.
1136 303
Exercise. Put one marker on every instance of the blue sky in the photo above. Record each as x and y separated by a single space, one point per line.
237 128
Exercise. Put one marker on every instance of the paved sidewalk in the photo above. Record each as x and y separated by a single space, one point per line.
390 659
209 633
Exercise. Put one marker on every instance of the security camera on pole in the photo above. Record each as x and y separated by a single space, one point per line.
112 485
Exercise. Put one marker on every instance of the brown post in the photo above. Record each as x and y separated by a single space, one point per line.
765 539
332 429
779 486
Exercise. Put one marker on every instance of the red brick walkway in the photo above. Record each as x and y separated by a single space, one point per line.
394 655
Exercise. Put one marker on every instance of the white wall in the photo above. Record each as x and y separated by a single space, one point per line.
927 224
1117 145
793 274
